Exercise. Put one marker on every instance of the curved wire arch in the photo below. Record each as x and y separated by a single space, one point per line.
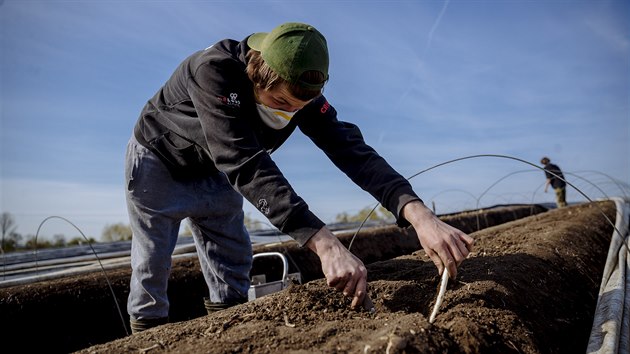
623 187
502 157
109 284
432 199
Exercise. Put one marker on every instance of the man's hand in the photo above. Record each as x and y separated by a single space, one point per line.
343 270
445 245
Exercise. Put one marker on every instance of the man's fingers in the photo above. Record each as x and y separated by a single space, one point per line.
351 284
344 271
435 258
450 257
339 282
463 249
447 246
351 287
458 250
359 292
452 268
469 241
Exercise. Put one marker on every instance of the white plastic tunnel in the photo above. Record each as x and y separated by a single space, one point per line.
610 333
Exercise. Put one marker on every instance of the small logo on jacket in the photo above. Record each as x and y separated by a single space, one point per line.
325 107
230 101
263 206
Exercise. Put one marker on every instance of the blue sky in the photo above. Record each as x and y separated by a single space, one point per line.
427 82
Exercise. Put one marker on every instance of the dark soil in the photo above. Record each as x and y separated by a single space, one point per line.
530 286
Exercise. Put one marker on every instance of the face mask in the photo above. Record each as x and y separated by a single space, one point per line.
274 118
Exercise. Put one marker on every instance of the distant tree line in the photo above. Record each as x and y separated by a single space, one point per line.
12 241
379 214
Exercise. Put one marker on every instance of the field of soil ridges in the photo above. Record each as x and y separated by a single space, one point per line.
530 286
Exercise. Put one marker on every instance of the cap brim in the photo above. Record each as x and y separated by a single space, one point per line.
255 40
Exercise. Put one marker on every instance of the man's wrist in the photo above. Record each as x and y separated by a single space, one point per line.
321 240
416 212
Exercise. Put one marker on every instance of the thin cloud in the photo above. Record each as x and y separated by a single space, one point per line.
437 22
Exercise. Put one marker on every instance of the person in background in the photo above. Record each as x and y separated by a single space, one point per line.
205 140
555 179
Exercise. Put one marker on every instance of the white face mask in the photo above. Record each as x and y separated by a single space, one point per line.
274 118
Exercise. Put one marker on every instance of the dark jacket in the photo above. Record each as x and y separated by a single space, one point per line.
550 171
204 120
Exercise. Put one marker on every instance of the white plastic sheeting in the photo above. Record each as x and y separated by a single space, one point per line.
610 333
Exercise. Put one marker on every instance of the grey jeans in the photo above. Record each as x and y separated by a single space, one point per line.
157 204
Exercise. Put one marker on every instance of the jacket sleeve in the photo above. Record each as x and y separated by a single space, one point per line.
221 94
344 145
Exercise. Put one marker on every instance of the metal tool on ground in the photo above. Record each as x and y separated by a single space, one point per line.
260 287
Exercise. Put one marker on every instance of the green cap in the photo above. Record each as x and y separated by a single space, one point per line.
292 49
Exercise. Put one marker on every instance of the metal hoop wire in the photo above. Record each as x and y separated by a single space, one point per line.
95 255
503 157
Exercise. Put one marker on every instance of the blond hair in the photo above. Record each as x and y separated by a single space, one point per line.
264 78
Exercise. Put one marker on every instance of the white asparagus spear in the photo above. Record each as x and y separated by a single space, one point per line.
440 296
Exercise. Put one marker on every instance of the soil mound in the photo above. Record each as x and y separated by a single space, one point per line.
530 286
